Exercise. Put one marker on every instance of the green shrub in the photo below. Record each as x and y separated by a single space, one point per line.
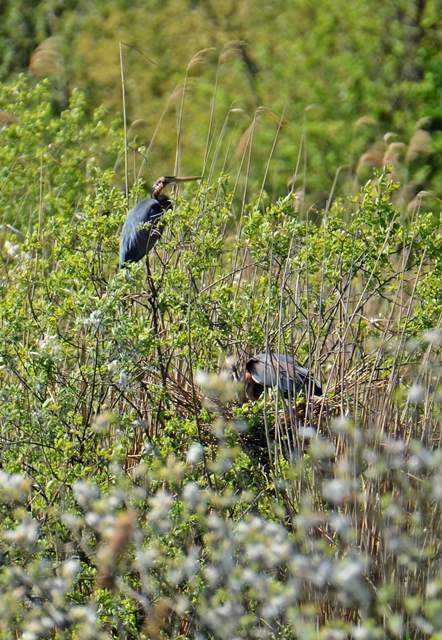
138 499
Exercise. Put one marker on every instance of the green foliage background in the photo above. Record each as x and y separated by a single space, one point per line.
321 68
138 498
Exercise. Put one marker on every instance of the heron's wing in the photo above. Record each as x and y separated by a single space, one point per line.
263 369
272 369
290 373
295 371
140 230
302 377
147 211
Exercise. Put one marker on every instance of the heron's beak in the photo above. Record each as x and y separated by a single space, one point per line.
188 179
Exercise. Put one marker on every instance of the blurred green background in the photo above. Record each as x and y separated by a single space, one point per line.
325 85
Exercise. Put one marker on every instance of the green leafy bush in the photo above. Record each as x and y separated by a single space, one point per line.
138 498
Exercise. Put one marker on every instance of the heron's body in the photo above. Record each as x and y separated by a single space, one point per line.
271 370
142 228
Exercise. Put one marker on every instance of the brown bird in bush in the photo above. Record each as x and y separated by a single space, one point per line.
271 370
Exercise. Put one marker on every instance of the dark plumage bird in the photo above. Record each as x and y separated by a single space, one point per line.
142 227
270 370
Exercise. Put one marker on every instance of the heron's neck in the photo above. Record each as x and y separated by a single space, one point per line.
164 201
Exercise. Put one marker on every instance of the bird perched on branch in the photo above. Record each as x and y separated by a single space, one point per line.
142 227
271 370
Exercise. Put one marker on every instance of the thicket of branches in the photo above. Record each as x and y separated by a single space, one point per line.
139 498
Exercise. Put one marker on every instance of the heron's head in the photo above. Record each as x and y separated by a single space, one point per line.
165 181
